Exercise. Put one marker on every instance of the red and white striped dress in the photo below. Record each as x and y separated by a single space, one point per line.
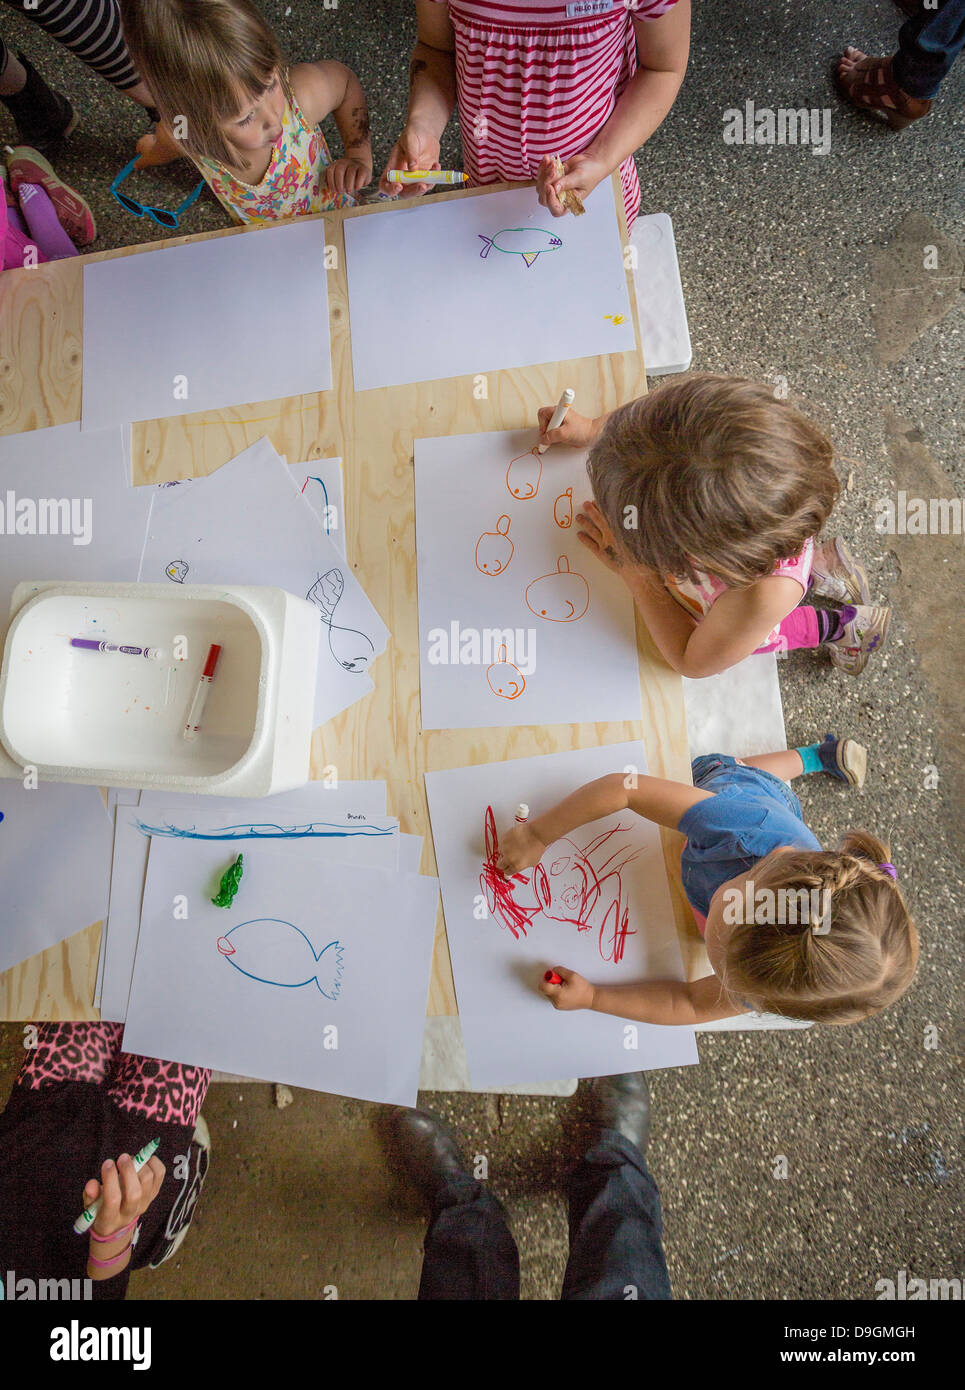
538 77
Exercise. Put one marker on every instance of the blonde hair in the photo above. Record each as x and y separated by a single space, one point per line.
723 478
201 60
861 957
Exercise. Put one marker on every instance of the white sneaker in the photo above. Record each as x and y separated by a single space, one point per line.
863 634
837 575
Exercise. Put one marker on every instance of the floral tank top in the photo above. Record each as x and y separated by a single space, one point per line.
294 182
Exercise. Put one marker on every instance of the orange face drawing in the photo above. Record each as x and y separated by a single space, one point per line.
523 475
494 549
563 509
505 679
561 597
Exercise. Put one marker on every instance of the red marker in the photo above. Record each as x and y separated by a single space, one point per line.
552 978
190 730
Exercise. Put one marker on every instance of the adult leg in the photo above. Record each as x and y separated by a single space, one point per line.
616 1235
469 1251
91 29
928 45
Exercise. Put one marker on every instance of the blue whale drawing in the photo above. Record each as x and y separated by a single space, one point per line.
277 953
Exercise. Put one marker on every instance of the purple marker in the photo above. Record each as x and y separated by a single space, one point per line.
91 645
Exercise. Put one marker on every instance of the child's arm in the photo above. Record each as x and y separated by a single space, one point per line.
432 98
645 1001
663 47
655 798
738 622
126 1197
329 88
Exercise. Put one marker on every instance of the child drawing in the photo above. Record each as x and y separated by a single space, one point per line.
560 597
277 953
494 549
709 495
582 887
528 242
351 649
177 571
251 124
505 680
523 475
563 510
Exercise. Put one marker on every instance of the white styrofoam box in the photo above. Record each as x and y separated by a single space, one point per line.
112 718
664 335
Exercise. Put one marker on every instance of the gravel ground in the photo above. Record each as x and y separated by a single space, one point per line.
810 268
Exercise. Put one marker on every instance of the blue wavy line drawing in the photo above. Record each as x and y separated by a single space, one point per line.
274 952
318 830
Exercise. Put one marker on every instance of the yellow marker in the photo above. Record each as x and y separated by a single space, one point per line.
426 176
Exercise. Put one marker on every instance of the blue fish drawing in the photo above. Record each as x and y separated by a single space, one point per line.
528 242
277 953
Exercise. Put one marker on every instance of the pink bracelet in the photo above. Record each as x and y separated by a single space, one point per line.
106 1264
120 1232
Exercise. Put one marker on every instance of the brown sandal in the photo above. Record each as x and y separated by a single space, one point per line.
871 87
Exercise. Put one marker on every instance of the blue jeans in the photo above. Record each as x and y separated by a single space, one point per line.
721 767
927 47
616 1244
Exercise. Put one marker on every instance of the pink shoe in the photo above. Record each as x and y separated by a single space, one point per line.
27 165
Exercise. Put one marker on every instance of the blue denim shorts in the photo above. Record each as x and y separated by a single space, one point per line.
714 771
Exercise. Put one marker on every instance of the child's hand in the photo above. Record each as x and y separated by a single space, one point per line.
595 534
416 148
347 175
573 993
519 849
577 430
581 174
127 1195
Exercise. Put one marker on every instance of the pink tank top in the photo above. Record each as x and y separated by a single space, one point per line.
699 598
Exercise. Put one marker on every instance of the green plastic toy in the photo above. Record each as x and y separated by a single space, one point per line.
230 880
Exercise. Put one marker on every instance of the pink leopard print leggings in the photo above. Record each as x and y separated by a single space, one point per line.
91 1052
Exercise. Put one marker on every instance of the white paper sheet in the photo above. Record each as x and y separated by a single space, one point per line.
410 853
600 906
55 864
247 524
211 324
505 638
316 798
321 484
256 991
483 284
339 827
84 474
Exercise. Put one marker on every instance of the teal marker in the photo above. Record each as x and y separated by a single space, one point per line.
88 1217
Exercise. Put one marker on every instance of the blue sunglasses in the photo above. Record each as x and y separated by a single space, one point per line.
159 215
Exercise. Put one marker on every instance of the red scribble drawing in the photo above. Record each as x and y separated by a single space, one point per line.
560 597
505 679
523 475
582 887
494 549
563 509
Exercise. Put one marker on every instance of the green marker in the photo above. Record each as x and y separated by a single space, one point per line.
230 880
88 1217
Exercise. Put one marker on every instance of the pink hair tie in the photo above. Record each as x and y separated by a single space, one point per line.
121 1231
889 869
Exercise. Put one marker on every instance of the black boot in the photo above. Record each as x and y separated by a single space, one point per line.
623 1103
43 116
426 1149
